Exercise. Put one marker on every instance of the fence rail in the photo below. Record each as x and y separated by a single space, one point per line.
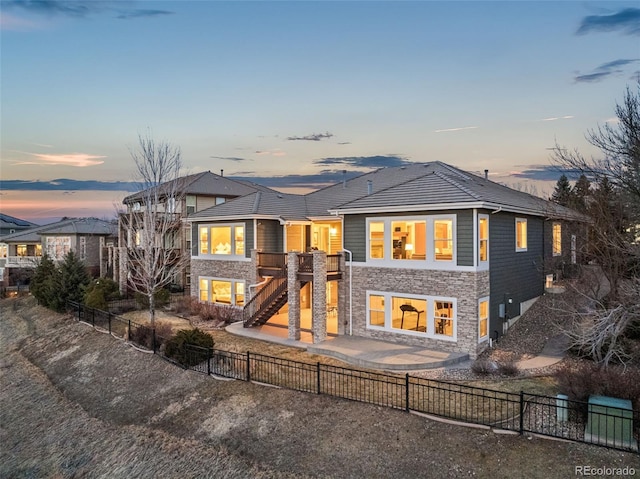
522 412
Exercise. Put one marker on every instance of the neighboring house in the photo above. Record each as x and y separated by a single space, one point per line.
185 196
10 225
89 238
423 254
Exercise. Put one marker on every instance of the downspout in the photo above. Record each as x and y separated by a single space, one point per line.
350 291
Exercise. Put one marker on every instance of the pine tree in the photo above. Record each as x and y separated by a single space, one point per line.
43 282
74 280
581 191
562 194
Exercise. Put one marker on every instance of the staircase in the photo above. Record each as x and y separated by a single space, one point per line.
266 303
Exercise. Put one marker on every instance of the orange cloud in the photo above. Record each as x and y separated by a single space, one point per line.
79 160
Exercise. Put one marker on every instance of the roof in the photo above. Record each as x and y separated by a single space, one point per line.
69 226
205 183
415 187
7 221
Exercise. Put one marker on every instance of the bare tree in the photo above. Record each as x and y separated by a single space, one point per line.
153 222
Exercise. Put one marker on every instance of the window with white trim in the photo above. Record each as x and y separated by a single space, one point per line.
58 246
557 239
483 239
418 315
427 240
222 240
521 234
483 319
221 291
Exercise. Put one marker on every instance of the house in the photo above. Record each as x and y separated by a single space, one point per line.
422 254
10 225
88 237
178 199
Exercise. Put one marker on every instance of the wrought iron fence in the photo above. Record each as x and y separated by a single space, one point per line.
608 426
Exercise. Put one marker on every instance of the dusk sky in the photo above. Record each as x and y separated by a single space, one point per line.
293 93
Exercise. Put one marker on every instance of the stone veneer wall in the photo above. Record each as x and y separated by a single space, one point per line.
241 270
466 287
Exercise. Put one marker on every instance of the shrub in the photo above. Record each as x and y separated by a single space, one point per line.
176 347
509 368
185 304
588 379
484 367
142 335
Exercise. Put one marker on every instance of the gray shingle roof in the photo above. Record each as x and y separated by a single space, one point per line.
71 226
7 221
420 186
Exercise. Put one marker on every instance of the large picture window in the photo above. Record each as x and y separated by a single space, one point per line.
483 319
425 240
221 291
223 240
412 314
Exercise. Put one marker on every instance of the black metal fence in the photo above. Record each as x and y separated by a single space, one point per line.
559 417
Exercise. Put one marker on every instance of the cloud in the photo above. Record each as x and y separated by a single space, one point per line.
230 158
312 137
274 152
344 143
605 70
626 21
64 184
545 173
80 8
378 161
79 160
554 118
142 13
456 129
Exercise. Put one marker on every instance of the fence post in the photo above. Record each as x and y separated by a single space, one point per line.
406 392
318 377
248 367
153 340
209 355
93 317
109 320
521 412
129 331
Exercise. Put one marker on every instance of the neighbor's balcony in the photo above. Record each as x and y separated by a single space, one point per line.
22 261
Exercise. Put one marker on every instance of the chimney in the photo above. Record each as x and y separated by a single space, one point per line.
486 174
222 172
369 187
344 178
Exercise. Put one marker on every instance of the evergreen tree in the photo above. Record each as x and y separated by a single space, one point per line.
44 280
74 280
581 191
562 194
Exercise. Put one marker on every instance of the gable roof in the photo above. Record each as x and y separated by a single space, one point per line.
7 221
205 183
69 226
416 187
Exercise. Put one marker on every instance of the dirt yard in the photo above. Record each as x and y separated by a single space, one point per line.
79 403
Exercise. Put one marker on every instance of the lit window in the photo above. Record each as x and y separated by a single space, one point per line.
239 240
483 319
376 310
376 240
521 234
21 250
409 239
483 238
443 318
222 291
408 314
204 240
204 290
557 239
443 239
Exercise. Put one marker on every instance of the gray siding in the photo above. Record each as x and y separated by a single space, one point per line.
355 234
464 237
515 275
270 236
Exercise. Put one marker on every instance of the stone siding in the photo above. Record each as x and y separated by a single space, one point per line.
466 287
240 270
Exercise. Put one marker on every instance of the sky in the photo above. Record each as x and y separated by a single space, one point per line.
290 94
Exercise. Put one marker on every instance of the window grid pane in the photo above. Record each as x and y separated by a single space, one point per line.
443 240
376 240
443 318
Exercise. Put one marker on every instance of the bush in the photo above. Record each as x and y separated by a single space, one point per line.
509 368
588 379
176 347
99 292
142 335
484 367
162 298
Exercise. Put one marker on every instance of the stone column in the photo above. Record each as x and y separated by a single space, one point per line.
253 272
294 296
123 269
343 298
319 306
